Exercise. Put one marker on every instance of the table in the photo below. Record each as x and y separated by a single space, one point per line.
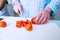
56 21
49 31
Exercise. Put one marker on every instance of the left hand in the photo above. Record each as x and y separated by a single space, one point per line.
43 16
2 4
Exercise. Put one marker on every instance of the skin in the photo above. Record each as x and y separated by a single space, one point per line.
42 17
2 3
18 8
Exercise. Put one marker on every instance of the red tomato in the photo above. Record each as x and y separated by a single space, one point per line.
3 24
28 22
19 24
23 22
33 20
28 25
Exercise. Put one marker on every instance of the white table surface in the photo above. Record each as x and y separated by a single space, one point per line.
49 31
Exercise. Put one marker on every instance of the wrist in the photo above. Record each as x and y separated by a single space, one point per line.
48 10
16 3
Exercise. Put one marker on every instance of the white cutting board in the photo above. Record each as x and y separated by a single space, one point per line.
49 31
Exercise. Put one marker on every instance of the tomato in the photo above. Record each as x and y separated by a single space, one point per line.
33 21
19 24
23 23
3 24
28 22
28 27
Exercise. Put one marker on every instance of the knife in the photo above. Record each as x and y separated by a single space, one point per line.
1 19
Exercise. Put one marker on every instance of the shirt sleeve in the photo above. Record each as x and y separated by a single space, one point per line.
54 5
13 1
3 11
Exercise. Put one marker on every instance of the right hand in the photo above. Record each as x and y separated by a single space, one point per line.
18 8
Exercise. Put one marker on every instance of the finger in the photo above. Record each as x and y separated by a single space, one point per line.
20 10
16 10
40 19
44 20
47 19
37 17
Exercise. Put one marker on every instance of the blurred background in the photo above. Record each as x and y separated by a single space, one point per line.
11 12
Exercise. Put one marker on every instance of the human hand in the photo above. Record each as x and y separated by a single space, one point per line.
18 8
2 4
43 16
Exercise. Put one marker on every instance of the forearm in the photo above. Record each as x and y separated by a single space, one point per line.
14 2
2 3
54 5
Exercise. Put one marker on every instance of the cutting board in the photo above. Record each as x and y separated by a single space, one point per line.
49 31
